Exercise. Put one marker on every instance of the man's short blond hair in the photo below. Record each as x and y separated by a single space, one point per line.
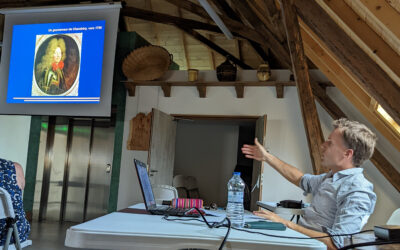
358 137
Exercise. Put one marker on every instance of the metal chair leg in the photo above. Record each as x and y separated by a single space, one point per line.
16 237
8 239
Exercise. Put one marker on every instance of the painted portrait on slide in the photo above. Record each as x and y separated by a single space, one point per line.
57 64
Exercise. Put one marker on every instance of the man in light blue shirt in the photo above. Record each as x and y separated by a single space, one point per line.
342 198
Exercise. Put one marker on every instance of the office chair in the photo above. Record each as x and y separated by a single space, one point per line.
7 212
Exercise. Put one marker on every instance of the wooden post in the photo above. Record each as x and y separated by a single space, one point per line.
306 98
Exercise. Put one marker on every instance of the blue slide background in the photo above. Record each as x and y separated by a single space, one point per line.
23 56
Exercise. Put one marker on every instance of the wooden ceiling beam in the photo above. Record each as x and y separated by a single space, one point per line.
166 19
232 15
213 46
318 56
344 81
371 77
262 13
300 69
284 59
274 16
191 7
364 36
270 41
238 29
226 9
382 17
232 24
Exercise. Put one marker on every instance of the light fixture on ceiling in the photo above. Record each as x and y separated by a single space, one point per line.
214 16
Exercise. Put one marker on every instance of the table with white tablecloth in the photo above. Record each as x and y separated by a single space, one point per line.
121 230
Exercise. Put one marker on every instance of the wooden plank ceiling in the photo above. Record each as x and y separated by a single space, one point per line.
356 44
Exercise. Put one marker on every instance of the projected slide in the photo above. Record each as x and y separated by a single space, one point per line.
56 62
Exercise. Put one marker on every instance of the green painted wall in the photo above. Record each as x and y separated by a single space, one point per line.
31 162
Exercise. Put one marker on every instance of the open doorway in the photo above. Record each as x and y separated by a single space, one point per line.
162 152
209 148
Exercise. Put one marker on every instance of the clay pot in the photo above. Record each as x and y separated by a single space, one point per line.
193 75
226 71
263 72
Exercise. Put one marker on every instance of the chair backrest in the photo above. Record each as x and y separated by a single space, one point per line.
186 186
164 192
394 218
6 207
179 181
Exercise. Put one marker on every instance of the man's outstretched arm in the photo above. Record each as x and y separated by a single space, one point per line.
259 153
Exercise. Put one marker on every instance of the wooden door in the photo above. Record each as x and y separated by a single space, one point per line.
258 167
162 148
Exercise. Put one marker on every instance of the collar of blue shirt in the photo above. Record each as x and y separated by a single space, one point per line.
340 174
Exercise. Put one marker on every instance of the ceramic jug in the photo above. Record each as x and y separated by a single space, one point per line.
263 72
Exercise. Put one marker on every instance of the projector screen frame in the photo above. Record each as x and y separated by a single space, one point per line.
58 14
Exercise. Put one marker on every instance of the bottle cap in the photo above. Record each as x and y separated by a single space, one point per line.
236 173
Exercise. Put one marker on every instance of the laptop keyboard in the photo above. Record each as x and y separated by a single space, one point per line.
173 211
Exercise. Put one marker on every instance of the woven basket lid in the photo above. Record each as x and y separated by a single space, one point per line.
146 63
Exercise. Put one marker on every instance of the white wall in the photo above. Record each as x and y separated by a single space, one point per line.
207 151
388 198
285 135
285 131
14 138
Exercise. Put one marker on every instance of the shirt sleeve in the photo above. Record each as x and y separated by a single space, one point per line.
352 213
309 183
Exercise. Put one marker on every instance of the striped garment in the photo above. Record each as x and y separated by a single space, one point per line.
187 203
8 181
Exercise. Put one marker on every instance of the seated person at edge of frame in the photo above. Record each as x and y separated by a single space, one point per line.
342 198
12 179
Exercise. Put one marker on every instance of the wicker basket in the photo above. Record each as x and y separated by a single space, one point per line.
146 63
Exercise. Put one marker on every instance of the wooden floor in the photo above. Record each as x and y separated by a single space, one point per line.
48 235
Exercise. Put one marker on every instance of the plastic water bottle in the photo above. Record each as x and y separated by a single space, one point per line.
234 209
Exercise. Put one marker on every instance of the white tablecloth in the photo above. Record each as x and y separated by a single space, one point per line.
141 231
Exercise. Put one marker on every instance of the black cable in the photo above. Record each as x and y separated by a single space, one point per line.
226 235
212 225
370 243
220 224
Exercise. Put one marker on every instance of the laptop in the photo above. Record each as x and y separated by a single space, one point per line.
148 196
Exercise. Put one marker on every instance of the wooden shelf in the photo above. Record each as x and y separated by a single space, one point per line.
202 86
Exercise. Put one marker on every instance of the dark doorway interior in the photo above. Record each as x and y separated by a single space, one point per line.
245 165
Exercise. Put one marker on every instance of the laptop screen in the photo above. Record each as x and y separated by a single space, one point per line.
145 184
